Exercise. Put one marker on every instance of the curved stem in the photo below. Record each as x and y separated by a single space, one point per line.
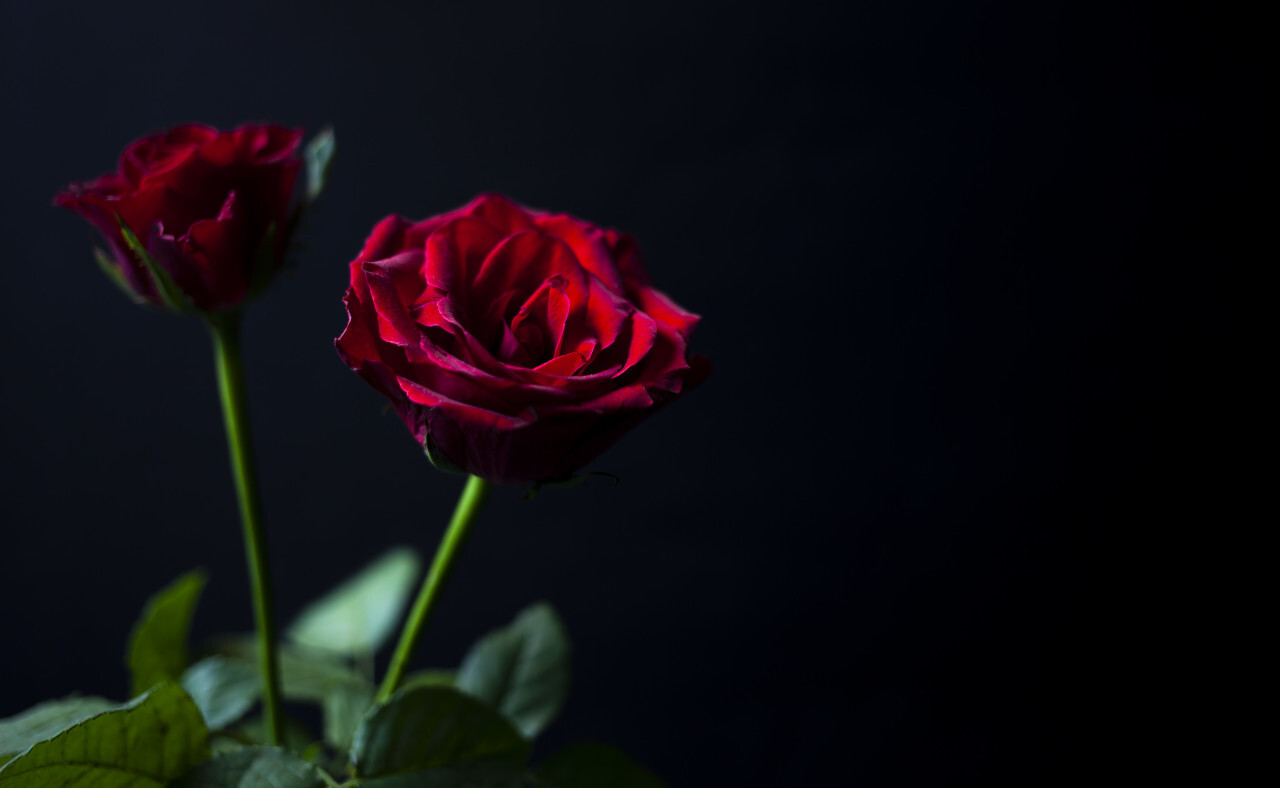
235 413
464 514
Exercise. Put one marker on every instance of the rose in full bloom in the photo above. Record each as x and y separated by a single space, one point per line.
516 345
208 209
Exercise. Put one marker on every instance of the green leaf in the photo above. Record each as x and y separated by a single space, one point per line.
429 678
223 688
521 670
344 708
253 767
170 293
591 765
305 674
113 272
158 645
143 744
319 158
359 615
435 736
46 720
297 737
317 677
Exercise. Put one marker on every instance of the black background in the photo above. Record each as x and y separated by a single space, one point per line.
962 269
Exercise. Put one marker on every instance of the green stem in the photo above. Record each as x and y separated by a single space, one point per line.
464 515
235 413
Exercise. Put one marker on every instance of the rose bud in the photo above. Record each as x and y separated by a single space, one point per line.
194 218
516 345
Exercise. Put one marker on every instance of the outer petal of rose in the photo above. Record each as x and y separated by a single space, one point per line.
357 343
220 249
383 242
589 244
630 397
644 333
170 254
158 154
562 440
389 281
275 143
139 209
464 412
666 366
416 236
500 212
664 310
229 148
99 211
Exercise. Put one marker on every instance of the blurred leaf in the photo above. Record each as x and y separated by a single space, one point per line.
344 708
143 744
158 645
435 736
591 765
522 670
305 674
357 616
429 678
316 677
46 720
319 158
252 767
223 688
296 735
113 272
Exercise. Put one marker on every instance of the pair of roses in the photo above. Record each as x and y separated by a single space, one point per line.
516 345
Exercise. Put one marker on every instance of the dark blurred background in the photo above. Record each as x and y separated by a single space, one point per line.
962 269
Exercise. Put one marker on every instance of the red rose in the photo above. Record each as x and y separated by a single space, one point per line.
516 345
210 209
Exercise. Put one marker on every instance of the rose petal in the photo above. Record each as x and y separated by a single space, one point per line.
481 416
217 248
661 308
522 262
589 244
504 215
455 250
392 282
385 241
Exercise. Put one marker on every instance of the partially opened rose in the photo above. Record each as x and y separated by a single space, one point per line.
209 209
516 345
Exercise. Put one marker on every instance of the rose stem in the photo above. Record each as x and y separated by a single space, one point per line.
464 514
225 327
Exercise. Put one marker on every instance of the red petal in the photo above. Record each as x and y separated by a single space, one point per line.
392 283
523 262
456 248
467 412
218 248
500 212
664 310
385 241
589 243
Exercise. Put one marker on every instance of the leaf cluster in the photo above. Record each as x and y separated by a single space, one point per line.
191 722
